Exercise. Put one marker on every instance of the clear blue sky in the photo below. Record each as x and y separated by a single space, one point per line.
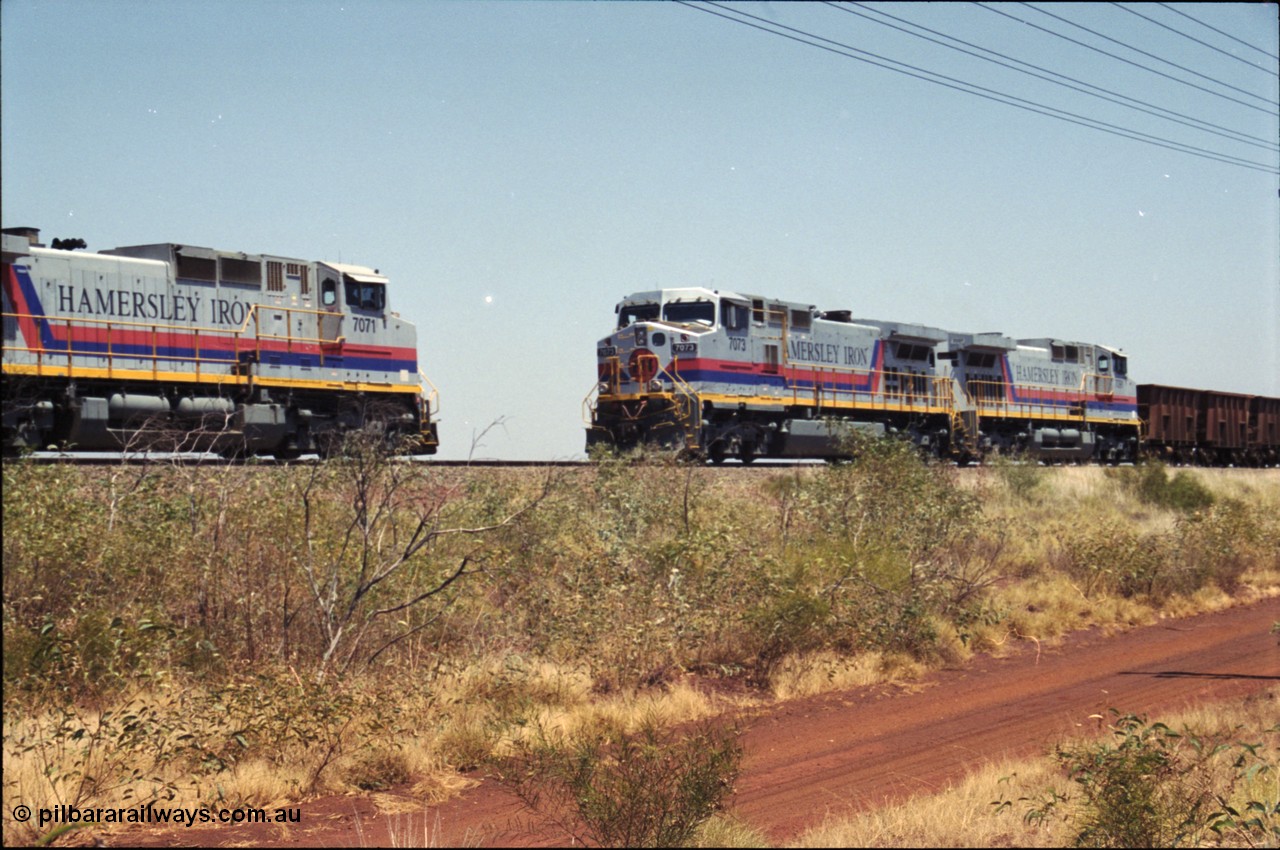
515 168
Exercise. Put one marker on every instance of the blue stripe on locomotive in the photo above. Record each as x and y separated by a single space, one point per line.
35 308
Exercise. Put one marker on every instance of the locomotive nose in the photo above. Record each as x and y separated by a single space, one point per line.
631 361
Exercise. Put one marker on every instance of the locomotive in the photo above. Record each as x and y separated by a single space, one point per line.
211 350
717 374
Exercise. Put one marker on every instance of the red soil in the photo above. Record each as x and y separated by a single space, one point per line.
835 754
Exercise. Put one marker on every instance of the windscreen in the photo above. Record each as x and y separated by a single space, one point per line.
689 312
629 314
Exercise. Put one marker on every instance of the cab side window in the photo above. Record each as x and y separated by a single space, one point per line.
366 296
329 292
733 315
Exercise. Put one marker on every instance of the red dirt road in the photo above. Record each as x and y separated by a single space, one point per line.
835 754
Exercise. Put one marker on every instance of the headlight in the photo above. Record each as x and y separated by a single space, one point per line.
655 386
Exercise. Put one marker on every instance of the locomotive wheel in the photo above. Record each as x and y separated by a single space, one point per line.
716 452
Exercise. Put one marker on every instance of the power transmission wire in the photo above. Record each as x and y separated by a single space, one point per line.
1132 11
1160 73
1149 55
971 88
1218 31
1218 130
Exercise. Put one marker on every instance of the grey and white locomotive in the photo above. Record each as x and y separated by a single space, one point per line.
719 374
243 353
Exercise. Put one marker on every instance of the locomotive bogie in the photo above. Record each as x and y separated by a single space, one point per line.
236 352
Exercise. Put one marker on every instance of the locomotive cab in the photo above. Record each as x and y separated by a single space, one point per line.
654 332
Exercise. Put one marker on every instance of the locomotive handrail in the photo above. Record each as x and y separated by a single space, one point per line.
887 390
588 409
693 423
613 375
1103 385
990 398
611 378
431 399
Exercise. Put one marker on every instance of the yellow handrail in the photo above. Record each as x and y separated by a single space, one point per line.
432 399
692 417
894 390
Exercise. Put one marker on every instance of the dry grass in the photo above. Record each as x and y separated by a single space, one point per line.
821 672
1045 603
727 831
961 816
403 827
446 713
48 759
965 815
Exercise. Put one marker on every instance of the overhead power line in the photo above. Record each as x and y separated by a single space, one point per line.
1218 31
1117 98
1226 53
1121 58
1205 44
838 48
1144 53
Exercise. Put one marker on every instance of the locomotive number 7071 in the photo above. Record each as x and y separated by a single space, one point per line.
363 324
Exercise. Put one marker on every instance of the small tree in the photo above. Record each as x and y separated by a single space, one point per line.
375 554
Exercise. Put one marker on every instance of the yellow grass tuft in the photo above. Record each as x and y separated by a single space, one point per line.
959 816
965 815
819 672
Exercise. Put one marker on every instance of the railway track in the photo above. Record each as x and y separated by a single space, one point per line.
211 459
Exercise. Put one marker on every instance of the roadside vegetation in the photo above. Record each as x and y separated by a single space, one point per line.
1208 777
242 635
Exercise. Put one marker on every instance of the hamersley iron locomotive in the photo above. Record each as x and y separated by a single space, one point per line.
262 354
234 352
720 374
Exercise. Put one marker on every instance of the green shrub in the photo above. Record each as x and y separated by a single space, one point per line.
1218 544
790 621
891 498
1151 484
615 788
1152 786
1111 557
94 654
1136 791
